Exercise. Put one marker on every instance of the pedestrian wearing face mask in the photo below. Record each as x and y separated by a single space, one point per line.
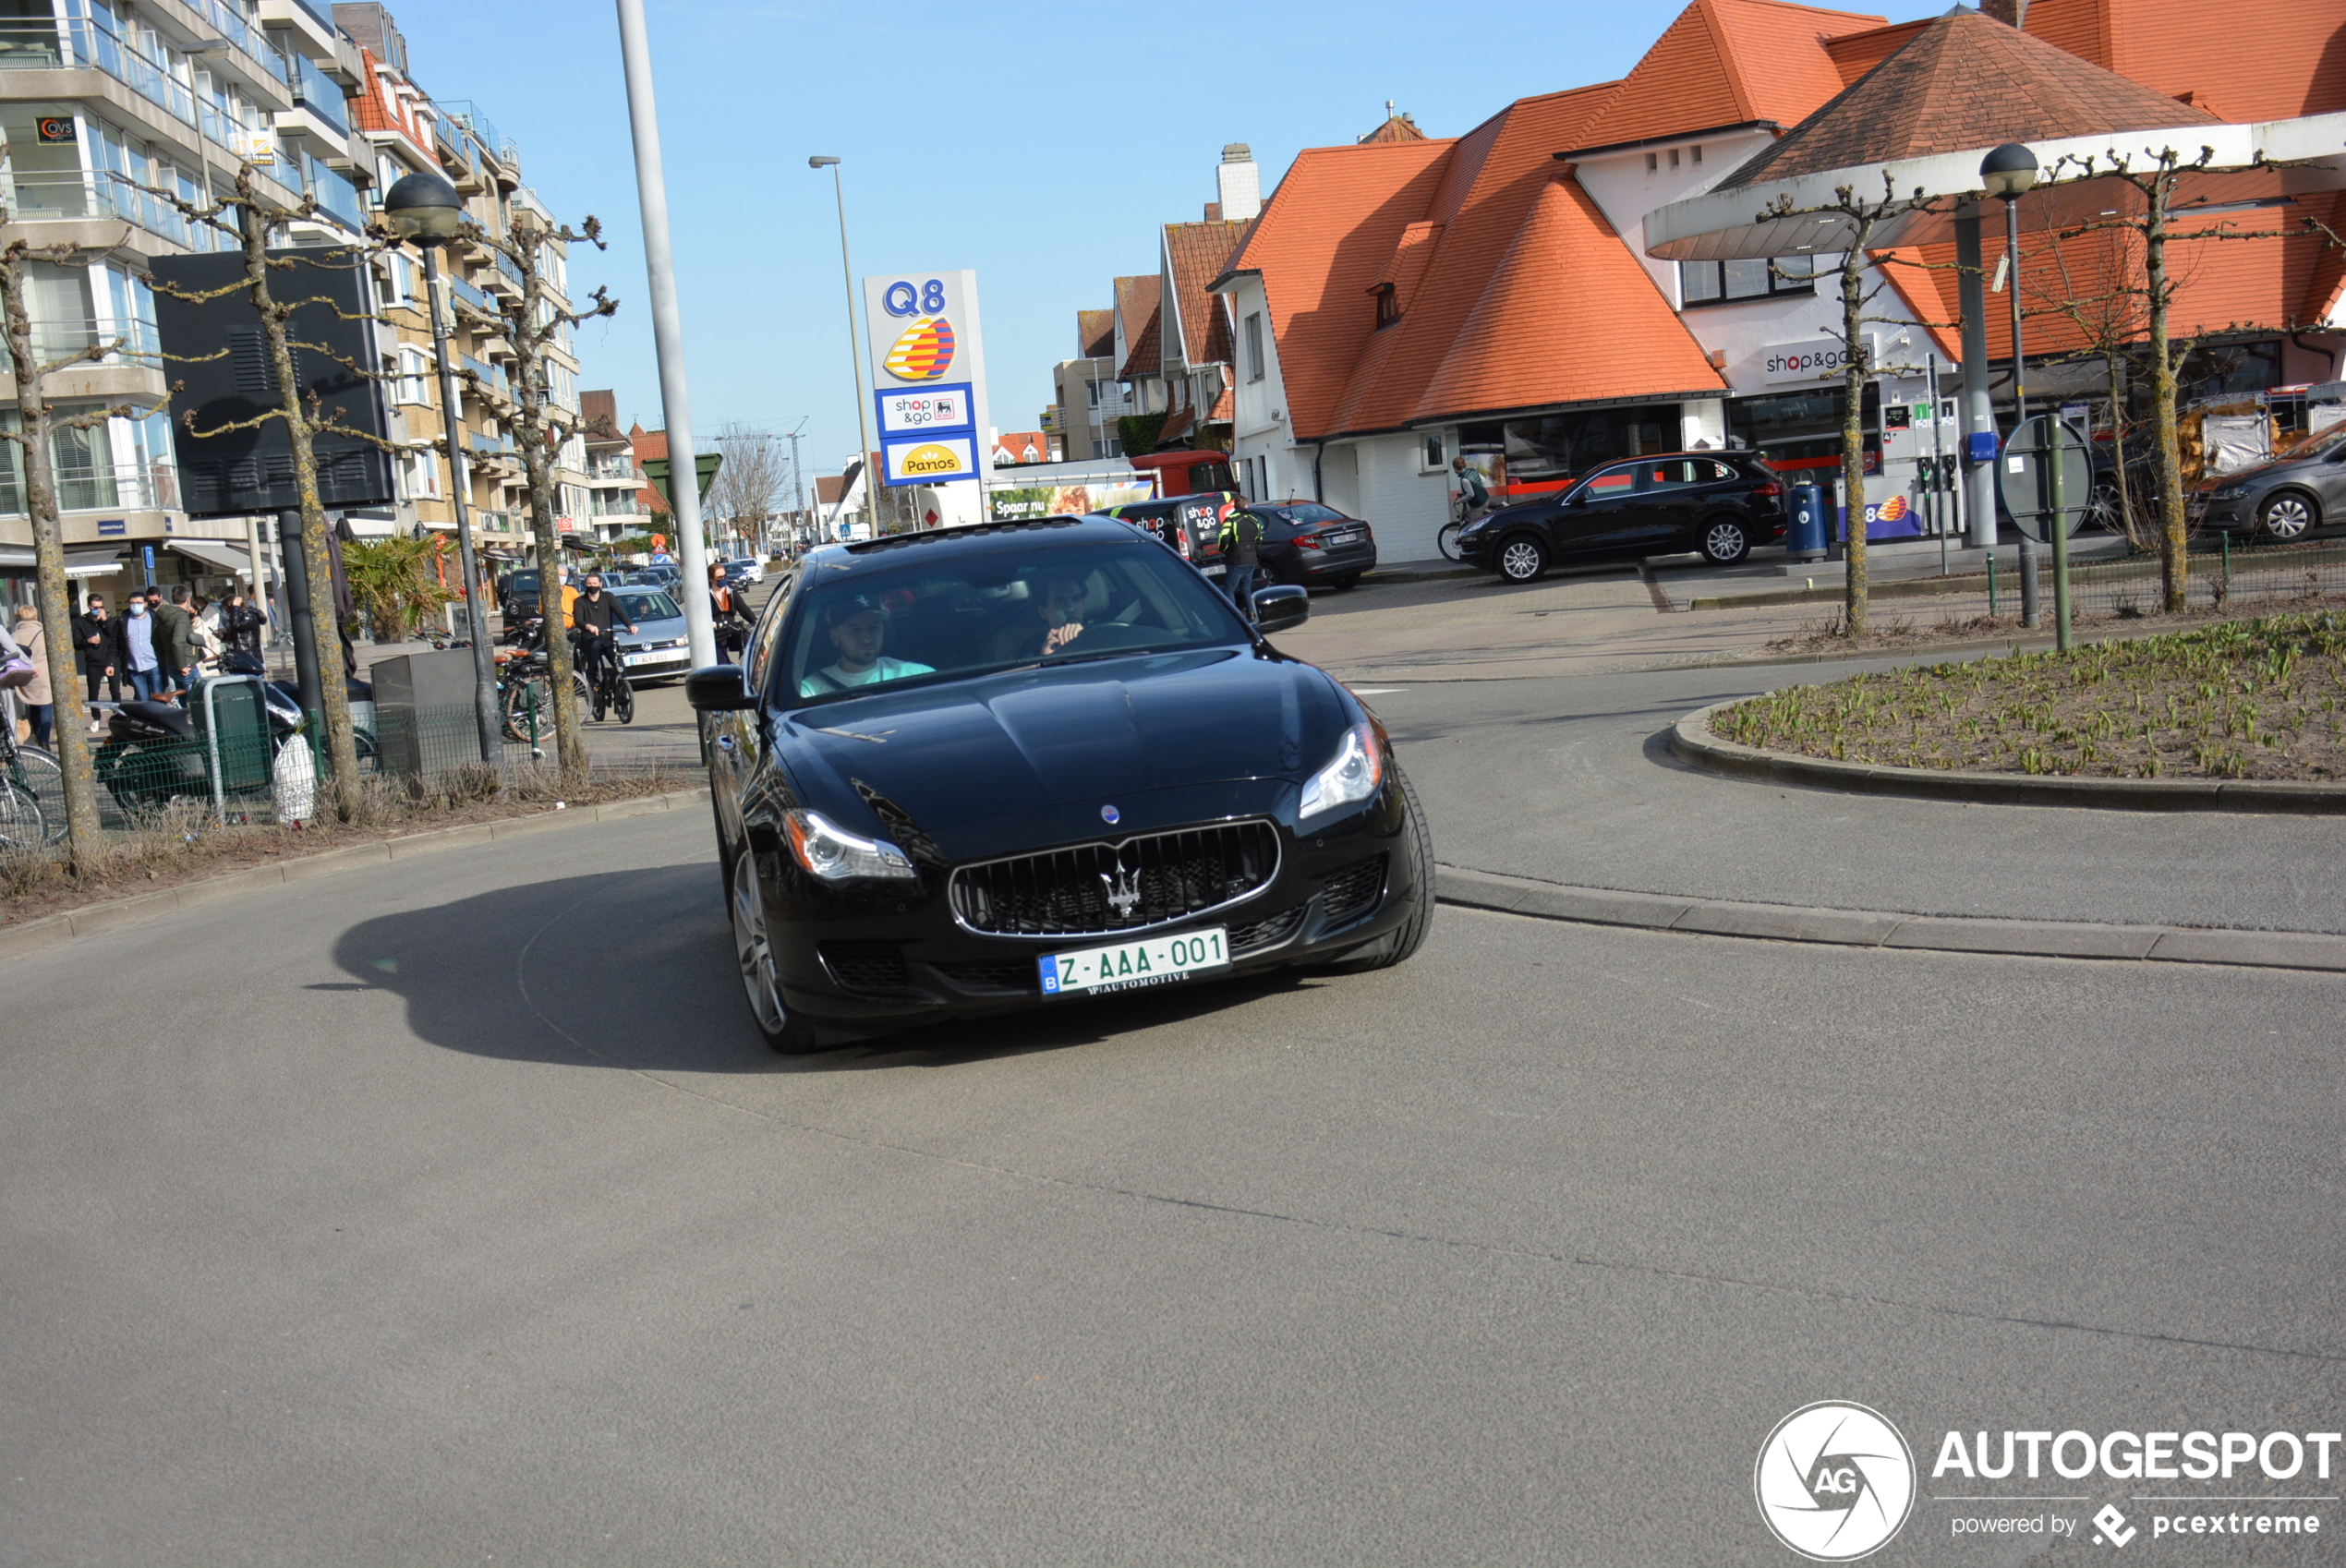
141 662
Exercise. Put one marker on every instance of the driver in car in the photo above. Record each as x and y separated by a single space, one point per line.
858 627
1061 602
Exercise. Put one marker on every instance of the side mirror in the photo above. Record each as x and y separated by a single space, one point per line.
719 688
1276 608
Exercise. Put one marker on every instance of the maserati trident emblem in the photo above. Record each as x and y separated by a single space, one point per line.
1123 890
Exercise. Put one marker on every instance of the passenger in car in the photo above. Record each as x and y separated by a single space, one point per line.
858 628
1055 625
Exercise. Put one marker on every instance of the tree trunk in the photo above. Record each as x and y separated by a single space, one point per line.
342 751
2117 367
2174 563
84 838
1852 433
570 745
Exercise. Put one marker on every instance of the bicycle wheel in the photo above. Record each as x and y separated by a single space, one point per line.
22 824
528 702
1447 540
623 700
39 771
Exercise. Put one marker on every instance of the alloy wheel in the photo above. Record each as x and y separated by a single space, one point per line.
754 949
1725 542
1519 561
2288 516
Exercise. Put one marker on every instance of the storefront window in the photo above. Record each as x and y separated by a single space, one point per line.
1557 446
1792 426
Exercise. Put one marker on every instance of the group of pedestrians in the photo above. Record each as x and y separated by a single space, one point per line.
161 644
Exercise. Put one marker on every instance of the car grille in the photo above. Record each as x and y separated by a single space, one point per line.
868 968
1352 891
1020 975
1267 933
1095 888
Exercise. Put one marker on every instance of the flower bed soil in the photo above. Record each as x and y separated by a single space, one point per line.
2242 699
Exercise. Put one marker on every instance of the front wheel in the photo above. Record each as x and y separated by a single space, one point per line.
2287 516
1348 581
761 981
623 700
21 823
1446 541
1725 541
1403 943
1523 559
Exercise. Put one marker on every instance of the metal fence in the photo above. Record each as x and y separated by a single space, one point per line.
2221 575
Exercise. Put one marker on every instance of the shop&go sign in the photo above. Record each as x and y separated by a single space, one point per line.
928 374
1810 359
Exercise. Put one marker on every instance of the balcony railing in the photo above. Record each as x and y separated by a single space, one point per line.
135 486
334 193
494 378
617 505
315 91
80 42
123 341
467 295
35 198
612 469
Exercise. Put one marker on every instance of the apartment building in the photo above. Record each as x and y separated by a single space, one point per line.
101 104
619 502
404 131
1090 399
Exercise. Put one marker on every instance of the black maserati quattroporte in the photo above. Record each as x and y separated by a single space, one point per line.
1011 766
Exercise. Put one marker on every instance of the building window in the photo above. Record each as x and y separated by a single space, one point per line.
1389 306
1254 347
419 475
1729 283
1654 161
415 372
1694 153
1434 455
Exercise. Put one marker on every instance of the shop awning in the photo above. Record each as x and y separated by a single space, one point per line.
217 554
78 563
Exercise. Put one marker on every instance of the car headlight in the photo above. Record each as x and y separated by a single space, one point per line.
1353 776
2230 492
836 855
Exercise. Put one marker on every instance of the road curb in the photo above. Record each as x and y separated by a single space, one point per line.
29 935
1879 928
1692 740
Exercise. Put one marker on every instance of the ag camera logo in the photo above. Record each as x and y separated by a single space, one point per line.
1836 1481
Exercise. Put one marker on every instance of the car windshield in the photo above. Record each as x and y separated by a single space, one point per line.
525 579
960 613
642 605
2315 446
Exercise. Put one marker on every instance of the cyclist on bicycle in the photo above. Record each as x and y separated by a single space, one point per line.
1472 495
592 615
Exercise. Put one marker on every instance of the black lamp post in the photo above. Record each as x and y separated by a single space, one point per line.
2009 173
425 211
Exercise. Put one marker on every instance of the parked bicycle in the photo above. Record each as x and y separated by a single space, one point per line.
525 689
28 777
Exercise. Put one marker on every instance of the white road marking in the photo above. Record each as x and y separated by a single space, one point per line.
1375 691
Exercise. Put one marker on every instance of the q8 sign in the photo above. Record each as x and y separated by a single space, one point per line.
928 374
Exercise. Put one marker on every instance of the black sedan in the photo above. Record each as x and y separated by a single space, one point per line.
1001 767
1720 503
1315 546
2285 499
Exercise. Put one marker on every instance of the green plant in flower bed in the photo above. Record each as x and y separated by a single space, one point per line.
2242 699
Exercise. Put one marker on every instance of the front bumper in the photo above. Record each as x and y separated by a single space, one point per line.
873 962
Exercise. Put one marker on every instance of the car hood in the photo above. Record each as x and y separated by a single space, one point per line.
665 629
2273 469
1007 745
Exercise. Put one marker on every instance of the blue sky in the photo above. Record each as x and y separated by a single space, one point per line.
1038 144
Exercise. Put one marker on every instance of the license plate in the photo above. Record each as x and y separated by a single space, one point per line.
1126 966
663 657
1215 571
1347 537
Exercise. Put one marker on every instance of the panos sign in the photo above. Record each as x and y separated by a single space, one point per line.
929 373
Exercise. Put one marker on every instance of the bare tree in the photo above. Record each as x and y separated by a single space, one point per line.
250 216
1854 220
533 323
37 426
749 486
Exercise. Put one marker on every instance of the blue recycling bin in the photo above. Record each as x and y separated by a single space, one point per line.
1811 522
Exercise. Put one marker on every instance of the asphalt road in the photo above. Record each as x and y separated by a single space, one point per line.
453 1212
1570 779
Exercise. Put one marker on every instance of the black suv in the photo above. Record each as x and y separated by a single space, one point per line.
1720 503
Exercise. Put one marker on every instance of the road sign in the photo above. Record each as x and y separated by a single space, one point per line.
928 375
2024 477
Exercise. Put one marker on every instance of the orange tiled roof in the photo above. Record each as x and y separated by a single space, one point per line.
1094 334
1326 237
1727 63
1136 304
1196 254
373 110
2222 53
1854 53
1396 128
1145 358
1967 80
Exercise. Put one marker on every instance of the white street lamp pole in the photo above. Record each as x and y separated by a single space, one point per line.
668 333
855 349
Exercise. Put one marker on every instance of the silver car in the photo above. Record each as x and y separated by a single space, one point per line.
656 649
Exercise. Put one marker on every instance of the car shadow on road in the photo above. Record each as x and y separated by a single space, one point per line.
635 970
